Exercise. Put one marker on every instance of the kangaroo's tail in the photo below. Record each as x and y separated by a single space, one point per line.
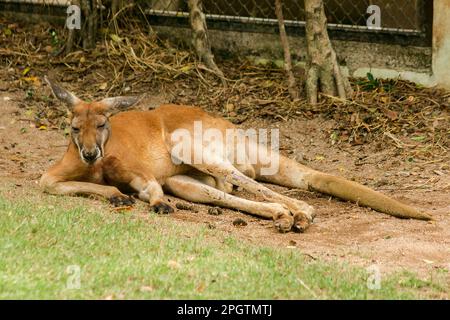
352 191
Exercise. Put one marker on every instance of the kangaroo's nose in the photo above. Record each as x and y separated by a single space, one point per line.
90 156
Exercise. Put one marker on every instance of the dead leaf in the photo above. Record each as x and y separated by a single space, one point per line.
34 80
418 138
25 71
354 118
115 38
268 84
319 157
123 208
229 107
146 289
384 99
173 264
186 68
392 115
201 287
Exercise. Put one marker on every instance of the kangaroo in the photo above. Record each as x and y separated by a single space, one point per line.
112 153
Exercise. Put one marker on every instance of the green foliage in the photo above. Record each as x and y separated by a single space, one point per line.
54 36
372 83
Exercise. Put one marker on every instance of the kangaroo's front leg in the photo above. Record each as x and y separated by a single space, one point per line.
151 191
139 179
54 183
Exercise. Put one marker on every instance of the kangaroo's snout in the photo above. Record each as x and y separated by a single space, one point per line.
90 155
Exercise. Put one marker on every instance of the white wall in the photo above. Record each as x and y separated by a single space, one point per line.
441 43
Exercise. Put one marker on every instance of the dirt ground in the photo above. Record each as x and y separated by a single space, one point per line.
342 231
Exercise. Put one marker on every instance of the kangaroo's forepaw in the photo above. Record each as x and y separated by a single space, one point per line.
162 208
121 201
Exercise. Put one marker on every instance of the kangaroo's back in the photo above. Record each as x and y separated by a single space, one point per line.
169 117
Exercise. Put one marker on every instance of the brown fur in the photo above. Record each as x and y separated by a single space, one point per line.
136 157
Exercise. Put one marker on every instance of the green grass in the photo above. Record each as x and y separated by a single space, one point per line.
128 255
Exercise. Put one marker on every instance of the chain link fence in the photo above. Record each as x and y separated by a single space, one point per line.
396 15
407 17
40 2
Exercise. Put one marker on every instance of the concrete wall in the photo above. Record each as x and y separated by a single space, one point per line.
441 43
358 58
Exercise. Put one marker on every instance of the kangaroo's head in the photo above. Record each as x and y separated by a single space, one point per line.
90 127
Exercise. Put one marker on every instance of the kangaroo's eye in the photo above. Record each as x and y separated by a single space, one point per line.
101 126
75 130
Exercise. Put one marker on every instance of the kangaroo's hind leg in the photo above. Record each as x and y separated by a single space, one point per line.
191 189
215 163
302 214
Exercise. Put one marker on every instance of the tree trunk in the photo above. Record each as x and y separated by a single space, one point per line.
292 85
166 5
323 71
89 30
200 38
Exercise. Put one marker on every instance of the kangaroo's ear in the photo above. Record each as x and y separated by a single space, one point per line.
62 94
118 104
